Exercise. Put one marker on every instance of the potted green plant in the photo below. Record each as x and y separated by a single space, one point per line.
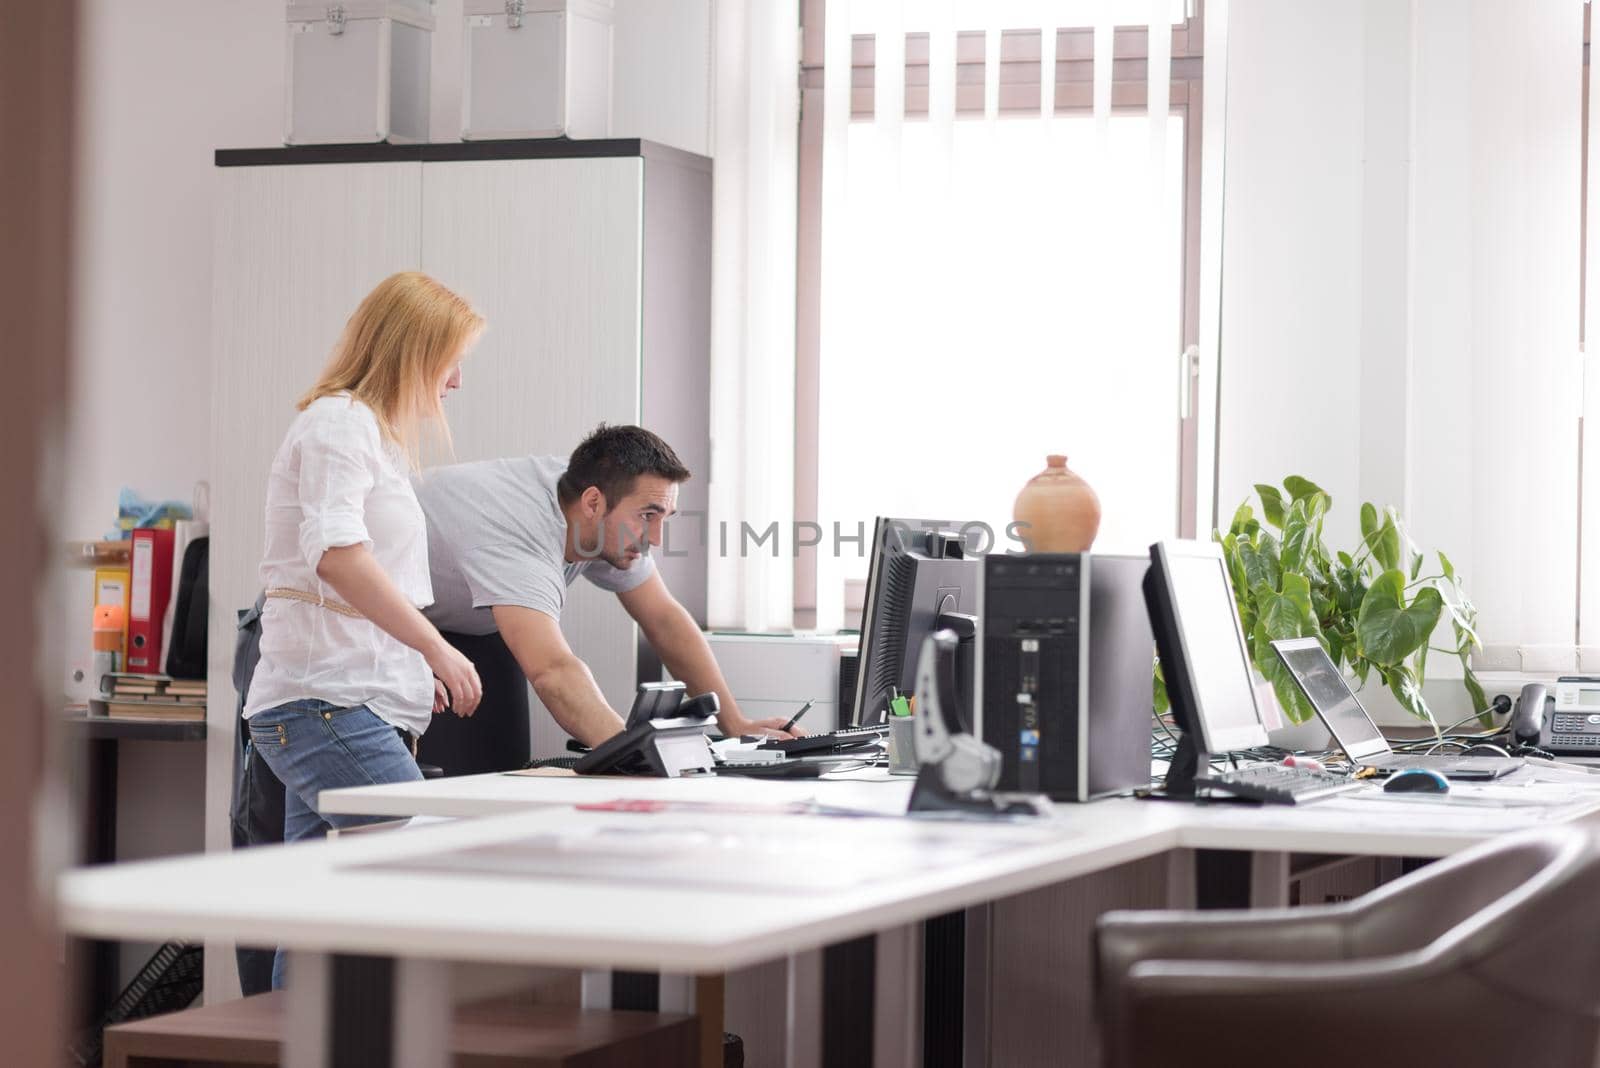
1373 609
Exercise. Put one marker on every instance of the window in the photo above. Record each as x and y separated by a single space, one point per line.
999 270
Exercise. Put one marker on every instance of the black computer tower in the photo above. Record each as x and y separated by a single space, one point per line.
1064 674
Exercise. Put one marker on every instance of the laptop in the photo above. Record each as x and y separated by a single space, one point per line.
1341 712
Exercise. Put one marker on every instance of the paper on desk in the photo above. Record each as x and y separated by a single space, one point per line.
1530 793
1470 805
724 854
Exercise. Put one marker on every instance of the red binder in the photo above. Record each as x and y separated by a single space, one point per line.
150 585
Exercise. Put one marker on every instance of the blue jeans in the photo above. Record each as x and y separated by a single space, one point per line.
313 746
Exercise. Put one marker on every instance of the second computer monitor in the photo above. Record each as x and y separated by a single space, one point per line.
923 576
1204 660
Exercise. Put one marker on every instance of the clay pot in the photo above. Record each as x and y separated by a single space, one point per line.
1059 511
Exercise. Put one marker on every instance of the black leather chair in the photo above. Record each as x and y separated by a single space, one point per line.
1491 957
497 736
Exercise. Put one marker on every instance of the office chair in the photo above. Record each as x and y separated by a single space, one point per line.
495 738
1491 957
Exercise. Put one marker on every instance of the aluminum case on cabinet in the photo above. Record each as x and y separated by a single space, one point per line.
357 71
536 68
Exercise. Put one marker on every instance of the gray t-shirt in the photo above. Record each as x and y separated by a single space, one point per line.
497 536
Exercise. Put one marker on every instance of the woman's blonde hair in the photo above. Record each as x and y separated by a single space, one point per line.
395 350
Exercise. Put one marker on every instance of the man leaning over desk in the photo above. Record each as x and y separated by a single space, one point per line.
505 540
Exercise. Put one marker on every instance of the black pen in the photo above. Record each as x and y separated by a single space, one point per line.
796 717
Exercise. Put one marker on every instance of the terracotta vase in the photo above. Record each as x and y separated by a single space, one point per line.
1059 511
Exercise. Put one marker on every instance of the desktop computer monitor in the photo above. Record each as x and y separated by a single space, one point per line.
923 576
1203 656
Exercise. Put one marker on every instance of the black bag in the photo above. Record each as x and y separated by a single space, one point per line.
186 656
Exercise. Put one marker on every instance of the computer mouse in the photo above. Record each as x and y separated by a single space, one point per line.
1416 781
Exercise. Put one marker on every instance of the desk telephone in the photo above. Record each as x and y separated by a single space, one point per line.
1566 722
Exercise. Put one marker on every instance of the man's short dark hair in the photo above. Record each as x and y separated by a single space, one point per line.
612 459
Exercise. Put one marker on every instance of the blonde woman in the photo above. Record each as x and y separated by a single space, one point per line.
350 671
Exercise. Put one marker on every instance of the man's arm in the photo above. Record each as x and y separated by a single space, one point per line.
676 638
561 680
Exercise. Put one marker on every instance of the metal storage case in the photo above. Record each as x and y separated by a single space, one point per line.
536 68
357 71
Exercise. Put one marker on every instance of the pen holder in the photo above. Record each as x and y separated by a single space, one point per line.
902 745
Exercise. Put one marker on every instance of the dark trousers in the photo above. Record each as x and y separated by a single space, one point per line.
495 738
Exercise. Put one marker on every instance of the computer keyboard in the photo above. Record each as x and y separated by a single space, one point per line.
845 739
1279 784
553 762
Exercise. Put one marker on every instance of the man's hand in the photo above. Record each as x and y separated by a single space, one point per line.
770 728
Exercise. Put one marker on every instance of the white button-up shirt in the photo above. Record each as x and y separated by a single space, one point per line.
336 482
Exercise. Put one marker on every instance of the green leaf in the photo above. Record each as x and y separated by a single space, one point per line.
1335 645
1294 703
1480 701
1301 488
1350 590
1240 518
1388 629
1271 504
1276 615
1159 691
1463 615
1405 687
1259 568
1315 565
1386 546
1298 590
1297 537
1285 614
1345 559
1416 566
1268 546
1369 522
1237 576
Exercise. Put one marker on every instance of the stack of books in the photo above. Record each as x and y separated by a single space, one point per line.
150 697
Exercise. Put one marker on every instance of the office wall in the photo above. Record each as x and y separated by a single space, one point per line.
1317 277
1394 286
1291 342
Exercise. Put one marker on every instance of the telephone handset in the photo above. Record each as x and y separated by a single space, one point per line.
1528 717
1566 722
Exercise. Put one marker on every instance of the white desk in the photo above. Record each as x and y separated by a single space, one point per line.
327 898
498 794
1373 824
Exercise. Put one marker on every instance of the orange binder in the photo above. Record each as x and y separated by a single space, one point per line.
111 587
150 587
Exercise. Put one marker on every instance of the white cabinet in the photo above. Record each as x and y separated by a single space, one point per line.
591 262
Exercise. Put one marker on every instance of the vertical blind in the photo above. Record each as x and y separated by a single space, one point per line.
995 284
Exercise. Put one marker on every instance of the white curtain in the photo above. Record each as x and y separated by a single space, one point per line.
755 145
